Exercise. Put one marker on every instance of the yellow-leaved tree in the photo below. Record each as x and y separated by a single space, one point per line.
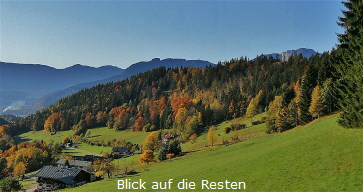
19 170
212 136
316 105
146 157
253 106
51 122
273 111
152 141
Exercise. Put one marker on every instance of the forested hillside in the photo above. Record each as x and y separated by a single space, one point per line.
186 99
130 71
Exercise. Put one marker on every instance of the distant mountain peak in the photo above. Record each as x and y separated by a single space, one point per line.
108 66
284 56
155 59
77 66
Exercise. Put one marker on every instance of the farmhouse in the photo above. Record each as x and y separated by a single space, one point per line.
167 138
118 152
51 178
90 158
69 146
74 163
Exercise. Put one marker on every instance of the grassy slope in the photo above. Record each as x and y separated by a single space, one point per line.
97 134
105 134
86 149
42 135
251 130
321 156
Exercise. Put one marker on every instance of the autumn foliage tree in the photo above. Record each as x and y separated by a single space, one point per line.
104 166
19 170
152 141
89 120
193 138
253 106
121 117
212 136
147 157
139 123
52 123
272 114
316 106
26 157
284 120
178 101
101 118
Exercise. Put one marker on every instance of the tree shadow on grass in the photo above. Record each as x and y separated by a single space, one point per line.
191 151
18 139
130 174
92 136
70 152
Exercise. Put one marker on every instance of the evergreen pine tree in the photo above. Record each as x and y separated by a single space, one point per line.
307 84
350 66
328 97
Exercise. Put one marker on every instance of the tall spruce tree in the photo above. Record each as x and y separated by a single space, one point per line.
349 67
307 84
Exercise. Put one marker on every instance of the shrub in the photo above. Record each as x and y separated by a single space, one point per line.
227 130
263 119
100 174
175 148
243 126
170 156
146 127
235 137
193 138
256 122
225 142
236 127
10 184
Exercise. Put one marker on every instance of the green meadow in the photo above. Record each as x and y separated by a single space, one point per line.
86 149
105 134
97 134
250 131
321 156
43 135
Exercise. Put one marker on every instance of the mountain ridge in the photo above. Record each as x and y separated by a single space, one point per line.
21 84
130 71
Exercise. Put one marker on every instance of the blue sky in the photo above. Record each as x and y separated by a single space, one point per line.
120 33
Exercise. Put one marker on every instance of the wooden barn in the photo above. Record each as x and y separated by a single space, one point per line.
51 178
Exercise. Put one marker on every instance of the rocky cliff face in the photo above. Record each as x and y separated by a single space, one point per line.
284 56
306 53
